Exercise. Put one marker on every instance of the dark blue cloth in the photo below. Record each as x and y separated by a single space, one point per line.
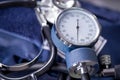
110 22
23 21
12 46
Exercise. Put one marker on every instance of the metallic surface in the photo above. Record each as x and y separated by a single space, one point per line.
81 68
63 4
33 77
50 9
40 17
81 55
105 60
99 45
108 72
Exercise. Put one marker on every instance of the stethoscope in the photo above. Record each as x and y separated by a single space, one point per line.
39 6
75 36
45 30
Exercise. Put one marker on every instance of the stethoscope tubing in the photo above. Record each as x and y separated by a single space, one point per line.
46 30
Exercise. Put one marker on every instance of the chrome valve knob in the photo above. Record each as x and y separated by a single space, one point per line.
105 61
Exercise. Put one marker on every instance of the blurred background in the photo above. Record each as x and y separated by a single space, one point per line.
110 4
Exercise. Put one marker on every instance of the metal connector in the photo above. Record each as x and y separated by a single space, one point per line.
41 17
105 61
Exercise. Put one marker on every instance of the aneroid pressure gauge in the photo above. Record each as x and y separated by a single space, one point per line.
76 26
76 31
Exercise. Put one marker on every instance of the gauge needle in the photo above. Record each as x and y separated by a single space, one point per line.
77 29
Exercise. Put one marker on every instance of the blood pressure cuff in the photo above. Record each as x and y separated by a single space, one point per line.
23 22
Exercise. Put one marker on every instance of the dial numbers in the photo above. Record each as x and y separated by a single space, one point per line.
77 27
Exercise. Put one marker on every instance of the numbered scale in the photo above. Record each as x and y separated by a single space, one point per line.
77 27
75 32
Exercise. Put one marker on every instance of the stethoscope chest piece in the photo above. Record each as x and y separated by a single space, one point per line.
52 8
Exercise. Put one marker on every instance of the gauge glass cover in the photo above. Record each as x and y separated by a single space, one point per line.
77 26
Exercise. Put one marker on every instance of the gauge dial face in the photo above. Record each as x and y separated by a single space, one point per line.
77 26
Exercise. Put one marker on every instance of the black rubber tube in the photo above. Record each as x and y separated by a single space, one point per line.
58 67
85 76
18 3
47 33
46 66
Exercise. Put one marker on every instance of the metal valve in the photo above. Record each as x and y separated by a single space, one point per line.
81 63
105 61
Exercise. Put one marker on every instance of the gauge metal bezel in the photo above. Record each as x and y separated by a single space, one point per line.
91 15
62 7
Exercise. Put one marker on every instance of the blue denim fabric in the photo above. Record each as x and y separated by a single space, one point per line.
23 22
